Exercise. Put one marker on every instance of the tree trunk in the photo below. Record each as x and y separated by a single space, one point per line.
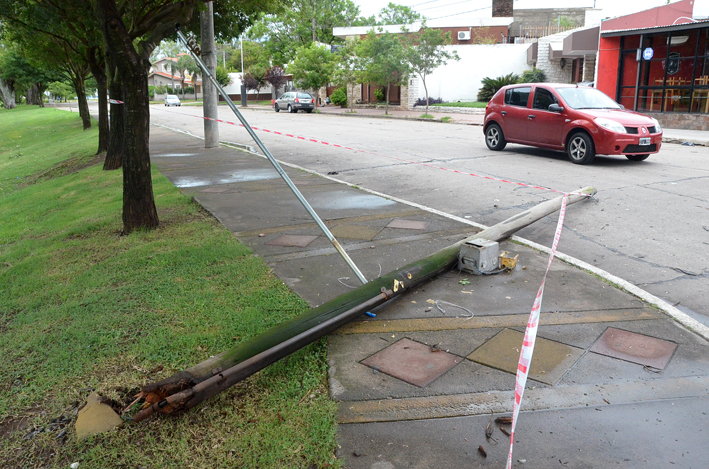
423 80
79 87
7 94
386 110
139 210
98 70
399 281
34 95
114 153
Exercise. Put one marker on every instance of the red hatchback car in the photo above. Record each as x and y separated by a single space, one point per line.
580 120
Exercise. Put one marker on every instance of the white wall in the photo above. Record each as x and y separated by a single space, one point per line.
235 86
461 80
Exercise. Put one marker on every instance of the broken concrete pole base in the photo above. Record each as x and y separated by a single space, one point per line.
95 418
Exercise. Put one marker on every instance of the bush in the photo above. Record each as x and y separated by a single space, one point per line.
491 85
533 76
379 95
339 97
189 89
151 91
422 101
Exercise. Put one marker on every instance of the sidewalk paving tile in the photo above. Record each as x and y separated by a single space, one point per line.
298 241
413 362
551 360
408 224
635 348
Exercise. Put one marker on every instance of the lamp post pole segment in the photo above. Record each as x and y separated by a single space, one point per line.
273 161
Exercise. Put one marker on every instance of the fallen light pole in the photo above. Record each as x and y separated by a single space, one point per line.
204 380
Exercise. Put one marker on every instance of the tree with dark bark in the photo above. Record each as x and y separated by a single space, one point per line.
276 77
384 58
63 35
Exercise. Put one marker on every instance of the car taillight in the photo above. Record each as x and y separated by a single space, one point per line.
297 100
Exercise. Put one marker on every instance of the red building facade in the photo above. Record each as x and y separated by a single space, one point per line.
657 61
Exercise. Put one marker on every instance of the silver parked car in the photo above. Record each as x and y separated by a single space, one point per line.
295 101
172 100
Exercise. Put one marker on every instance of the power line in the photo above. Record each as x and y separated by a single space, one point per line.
443 6
458 14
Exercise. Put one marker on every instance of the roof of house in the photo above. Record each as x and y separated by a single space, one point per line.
188 78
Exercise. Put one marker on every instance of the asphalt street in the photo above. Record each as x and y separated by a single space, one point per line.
650 225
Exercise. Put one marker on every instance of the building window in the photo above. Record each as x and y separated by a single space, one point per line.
665 72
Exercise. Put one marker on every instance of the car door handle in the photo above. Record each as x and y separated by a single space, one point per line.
504 113
531 116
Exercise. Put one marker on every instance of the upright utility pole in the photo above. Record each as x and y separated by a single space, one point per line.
209 101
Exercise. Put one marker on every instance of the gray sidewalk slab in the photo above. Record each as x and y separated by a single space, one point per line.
581 408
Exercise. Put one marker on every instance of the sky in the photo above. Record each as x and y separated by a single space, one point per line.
459 9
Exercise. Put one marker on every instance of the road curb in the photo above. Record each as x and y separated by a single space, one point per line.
676 314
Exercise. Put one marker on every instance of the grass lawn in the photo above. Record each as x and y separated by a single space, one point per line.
84 309
476 104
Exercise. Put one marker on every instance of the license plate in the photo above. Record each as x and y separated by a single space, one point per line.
645 141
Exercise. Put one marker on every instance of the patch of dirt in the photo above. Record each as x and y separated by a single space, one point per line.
13 425
66 167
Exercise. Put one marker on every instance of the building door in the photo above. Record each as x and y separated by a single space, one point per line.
577 70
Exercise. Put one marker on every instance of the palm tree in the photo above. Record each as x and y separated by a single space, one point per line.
172 66
183 64
195 72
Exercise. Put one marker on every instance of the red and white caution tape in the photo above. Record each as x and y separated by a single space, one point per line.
443 168
115 101
530 334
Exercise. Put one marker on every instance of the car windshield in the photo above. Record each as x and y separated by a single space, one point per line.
586 98
171 96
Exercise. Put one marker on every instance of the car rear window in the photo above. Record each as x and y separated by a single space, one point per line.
518 96
304 96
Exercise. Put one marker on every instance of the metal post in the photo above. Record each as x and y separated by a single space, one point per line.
209 98
273 161
243 86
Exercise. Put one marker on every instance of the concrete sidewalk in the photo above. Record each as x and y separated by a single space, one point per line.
613 382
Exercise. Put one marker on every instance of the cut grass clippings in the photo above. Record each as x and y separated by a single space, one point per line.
84 309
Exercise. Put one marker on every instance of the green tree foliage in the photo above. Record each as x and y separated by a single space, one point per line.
222 76
397 14
348 70
491 85
426 52
184 64
313 67
533 76
254 53
339 97
23 77
385 60
60 90
299 25
167 48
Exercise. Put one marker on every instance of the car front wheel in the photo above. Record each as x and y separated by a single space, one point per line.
494 138
580 148
277 108
637 157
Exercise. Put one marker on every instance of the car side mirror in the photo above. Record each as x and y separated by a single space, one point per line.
555 108
621 106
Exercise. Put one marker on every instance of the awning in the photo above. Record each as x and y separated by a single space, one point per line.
532 53
556 50
582 42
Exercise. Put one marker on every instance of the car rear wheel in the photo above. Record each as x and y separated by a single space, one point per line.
637 157
580 148
494 138
291 110
277 108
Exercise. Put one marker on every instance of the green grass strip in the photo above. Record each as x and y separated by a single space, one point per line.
83 308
